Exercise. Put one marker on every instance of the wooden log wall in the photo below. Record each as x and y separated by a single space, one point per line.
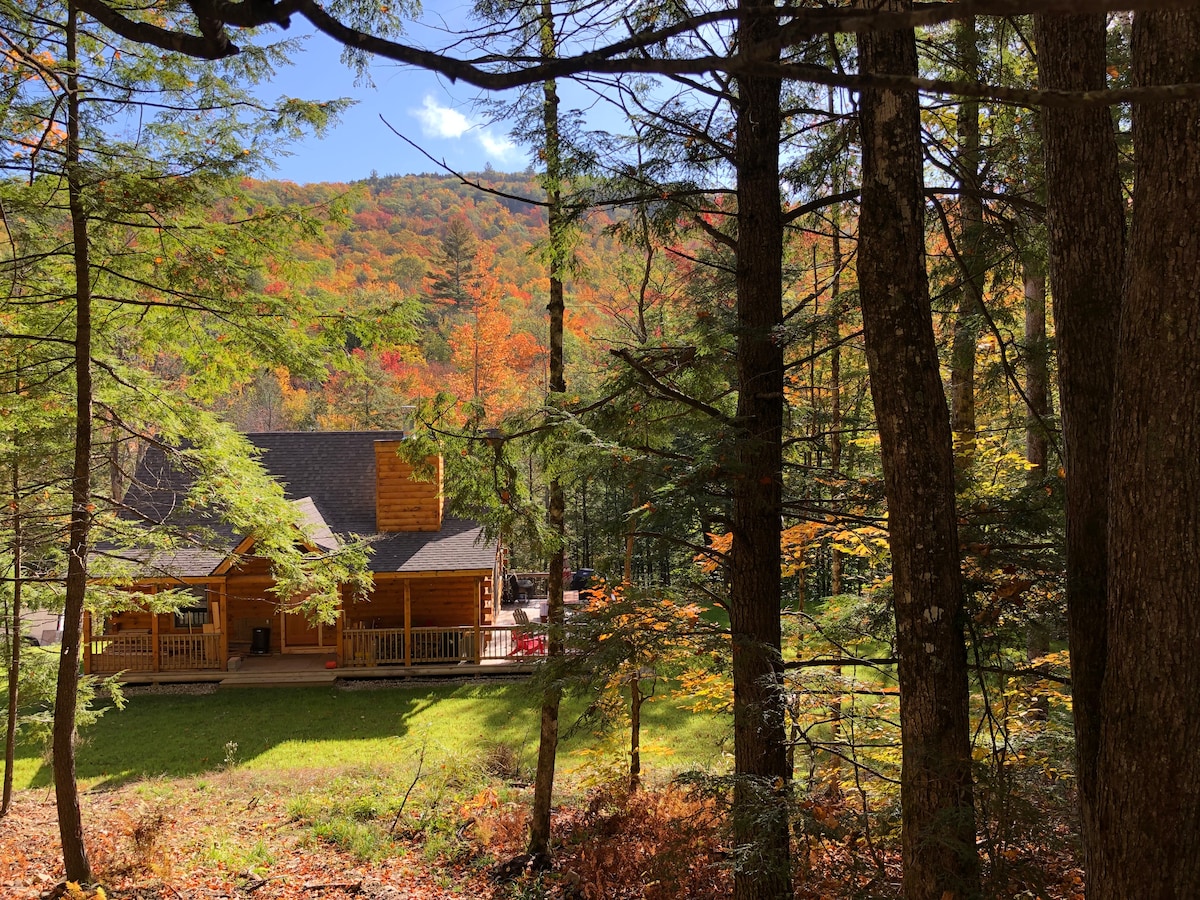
384 609
133 620
402 504
249 608
437 601
444 602
140 619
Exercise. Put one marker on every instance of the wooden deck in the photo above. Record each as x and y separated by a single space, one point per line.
299 671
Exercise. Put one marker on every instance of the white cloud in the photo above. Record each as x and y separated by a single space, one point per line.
500 147
441 121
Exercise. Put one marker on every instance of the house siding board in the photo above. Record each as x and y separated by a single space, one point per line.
133 620
250 608
402 503
254 566
443 602
384 608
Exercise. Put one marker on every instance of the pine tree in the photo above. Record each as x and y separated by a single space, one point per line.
454 272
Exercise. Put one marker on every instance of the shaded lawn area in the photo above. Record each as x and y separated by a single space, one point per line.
276 729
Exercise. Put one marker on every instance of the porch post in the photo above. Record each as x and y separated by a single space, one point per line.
478 616
341 619
222 621
87 642
407 623
154 635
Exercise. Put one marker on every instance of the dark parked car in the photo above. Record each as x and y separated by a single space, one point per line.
589 584
580 579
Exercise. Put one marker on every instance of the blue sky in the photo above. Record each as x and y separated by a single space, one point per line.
428 110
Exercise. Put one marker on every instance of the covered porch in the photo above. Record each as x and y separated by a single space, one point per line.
409 622
506 649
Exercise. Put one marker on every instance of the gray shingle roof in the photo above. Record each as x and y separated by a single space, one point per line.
330 476
459 545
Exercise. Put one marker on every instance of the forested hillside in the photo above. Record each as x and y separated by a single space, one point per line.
453 274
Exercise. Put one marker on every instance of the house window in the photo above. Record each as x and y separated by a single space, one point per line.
195 614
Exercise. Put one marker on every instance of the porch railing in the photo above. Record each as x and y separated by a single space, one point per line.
360 647
386 646
189 651
137 653
122 652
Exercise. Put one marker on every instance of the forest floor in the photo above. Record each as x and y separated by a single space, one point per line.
222 843
235 834
248 835
241 834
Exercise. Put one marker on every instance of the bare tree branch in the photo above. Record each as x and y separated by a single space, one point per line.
635 53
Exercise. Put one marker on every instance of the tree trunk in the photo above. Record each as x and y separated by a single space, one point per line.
1147 835
543 789
972 266
66 791
14 660
1086 225
1037 371
1037 420
636 699
761 786
936 793
835 392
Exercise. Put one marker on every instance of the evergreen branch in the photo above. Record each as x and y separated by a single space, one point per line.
37 338
820 661
1042 672
212 45
828 348
814 205
715 233
1027 97
698 549
707 263
669 392
462 178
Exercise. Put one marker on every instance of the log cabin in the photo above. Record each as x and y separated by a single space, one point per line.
433 598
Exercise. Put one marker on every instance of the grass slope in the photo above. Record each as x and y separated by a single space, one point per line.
278 729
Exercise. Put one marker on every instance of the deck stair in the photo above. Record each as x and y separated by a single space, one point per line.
306 678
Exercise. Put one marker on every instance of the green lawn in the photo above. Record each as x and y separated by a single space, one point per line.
277 729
